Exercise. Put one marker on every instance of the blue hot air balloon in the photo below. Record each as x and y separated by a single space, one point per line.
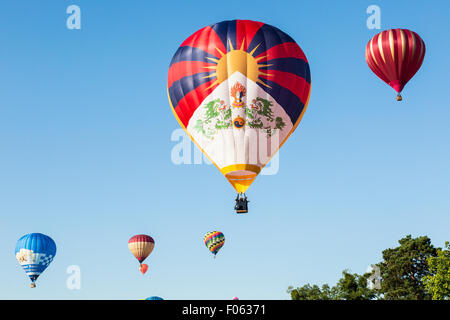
35 251
154 298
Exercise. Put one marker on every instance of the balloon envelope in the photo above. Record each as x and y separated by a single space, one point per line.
214 241
154 298
395 56
141 246
34 252
239 89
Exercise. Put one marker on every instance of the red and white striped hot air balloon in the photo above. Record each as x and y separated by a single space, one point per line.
141 246
395 56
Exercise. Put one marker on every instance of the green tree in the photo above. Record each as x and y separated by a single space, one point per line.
349 287
308 292
404 267
438 282
354 287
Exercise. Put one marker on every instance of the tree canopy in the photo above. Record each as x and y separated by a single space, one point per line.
414 270
403 268
437 282
349 287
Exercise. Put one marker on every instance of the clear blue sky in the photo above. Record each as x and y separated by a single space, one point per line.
85 152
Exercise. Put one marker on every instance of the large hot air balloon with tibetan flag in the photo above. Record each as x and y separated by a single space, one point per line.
214 241
239 89
141 246
34 252
395 56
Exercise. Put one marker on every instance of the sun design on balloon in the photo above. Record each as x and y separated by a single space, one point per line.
237 60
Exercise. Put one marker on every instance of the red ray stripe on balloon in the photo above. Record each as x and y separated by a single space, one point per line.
418 58
187 106
297 85
378 57
373 66
399 51
415 42
186 68
283 50
246 29
419 62
410 54
397 54
207 40
390 64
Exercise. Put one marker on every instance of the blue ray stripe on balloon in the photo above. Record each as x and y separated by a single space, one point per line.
181 87
290 102
187 53
226 30
296 66
267 37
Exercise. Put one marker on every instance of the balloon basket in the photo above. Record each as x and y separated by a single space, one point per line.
241 205
399 97
33 285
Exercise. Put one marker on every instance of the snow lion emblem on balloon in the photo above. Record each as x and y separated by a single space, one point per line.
257 115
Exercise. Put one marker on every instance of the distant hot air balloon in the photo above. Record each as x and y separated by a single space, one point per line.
239 89
35 251
214 240
235 298
154 298
141 246
395 56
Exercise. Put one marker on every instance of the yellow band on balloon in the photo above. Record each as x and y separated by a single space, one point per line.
241 167
241 185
